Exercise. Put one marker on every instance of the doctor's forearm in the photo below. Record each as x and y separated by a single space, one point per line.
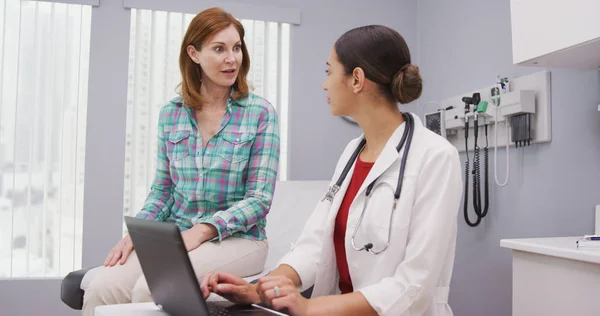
346 304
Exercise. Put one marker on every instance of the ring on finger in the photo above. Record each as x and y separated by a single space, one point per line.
277 292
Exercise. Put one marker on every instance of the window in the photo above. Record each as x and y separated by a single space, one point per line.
44 58
154 74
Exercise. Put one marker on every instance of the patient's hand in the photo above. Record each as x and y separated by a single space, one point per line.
229 286
120 252
198 234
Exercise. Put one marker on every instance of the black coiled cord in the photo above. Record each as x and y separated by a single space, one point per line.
480 211
466 199
476 180
486 165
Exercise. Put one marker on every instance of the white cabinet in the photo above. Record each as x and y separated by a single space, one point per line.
556 33
552 277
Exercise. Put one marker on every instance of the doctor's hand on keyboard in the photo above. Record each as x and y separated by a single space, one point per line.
277 291
229 286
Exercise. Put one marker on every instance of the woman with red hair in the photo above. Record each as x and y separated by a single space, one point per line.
218 154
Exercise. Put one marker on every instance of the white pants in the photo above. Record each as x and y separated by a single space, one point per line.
126 283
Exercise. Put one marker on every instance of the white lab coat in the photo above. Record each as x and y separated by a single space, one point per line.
412 277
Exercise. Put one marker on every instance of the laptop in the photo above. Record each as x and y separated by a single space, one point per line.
170 276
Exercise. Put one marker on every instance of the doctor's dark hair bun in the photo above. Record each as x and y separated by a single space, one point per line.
407 84
383 55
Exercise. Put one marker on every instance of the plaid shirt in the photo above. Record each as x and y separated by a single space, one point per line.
229 183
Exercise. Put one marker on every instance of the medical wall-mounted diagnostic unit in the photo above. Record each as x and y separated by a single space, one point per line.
514 112
527 95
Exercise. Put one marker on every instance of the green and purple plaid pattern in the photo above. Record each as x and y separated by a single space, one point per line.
230 182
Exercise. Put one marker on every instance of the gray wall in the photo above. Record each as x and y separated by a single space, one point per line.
317 137
553 187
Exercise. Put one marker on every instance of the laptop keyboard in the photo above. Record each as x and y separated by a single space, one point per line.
216 310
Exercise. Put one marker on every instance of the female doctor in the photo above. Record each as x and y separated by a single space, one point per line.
382 239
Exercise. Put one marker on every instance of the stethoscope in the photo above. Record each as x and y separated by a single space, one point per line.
333 190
